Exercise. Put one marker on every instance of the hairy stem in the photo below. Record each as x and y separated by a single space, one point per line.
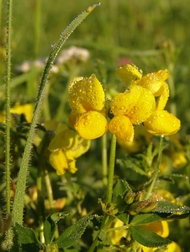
8 115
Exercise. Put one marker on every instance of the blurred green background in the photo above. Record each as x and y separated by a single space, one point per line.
152 34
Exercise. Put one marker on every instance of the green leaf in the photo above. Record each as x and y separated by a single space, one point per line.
132 165
123 217
73 233
120 188
169 207
50 225
148 238
145 218
27 238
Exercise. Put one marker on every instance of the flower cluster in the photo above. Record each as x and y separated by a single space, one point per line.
143 101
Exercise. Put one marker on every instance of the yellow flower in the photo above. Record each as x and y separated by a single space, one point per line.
87 101
160 228
65 147
86 94
91 125
128 74
142 102
122 128
26 109
134 106
154 81
162 123
178 159
173 247
116 235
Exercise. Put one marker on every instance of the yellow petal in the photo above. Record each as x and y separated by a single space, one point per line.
91 125
62 140
161 122
163 98
122 128
123 102
160 228
117 235
128 74
71 161
141 111
80 146
173 247
86 94
154 81
58 161
72 166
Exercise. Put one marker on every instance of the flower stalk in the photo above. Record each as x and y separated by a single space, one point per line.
157 170
111 170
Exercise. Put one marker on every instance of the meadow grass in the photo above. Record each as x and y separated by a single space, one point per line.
151 34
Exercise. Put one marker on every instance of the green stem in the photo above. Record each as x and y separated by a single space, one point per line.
8 114
157 170
104 160
111 169
50 196
105 222
40 204
49 189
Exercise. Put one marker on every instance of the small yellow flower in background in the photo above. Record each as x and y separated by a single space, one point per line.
117 234
87 101
160 228
172 247
65 147
26 109
178 158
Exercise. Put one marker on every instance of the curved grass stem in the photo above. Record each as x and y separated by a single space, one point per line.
18 204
